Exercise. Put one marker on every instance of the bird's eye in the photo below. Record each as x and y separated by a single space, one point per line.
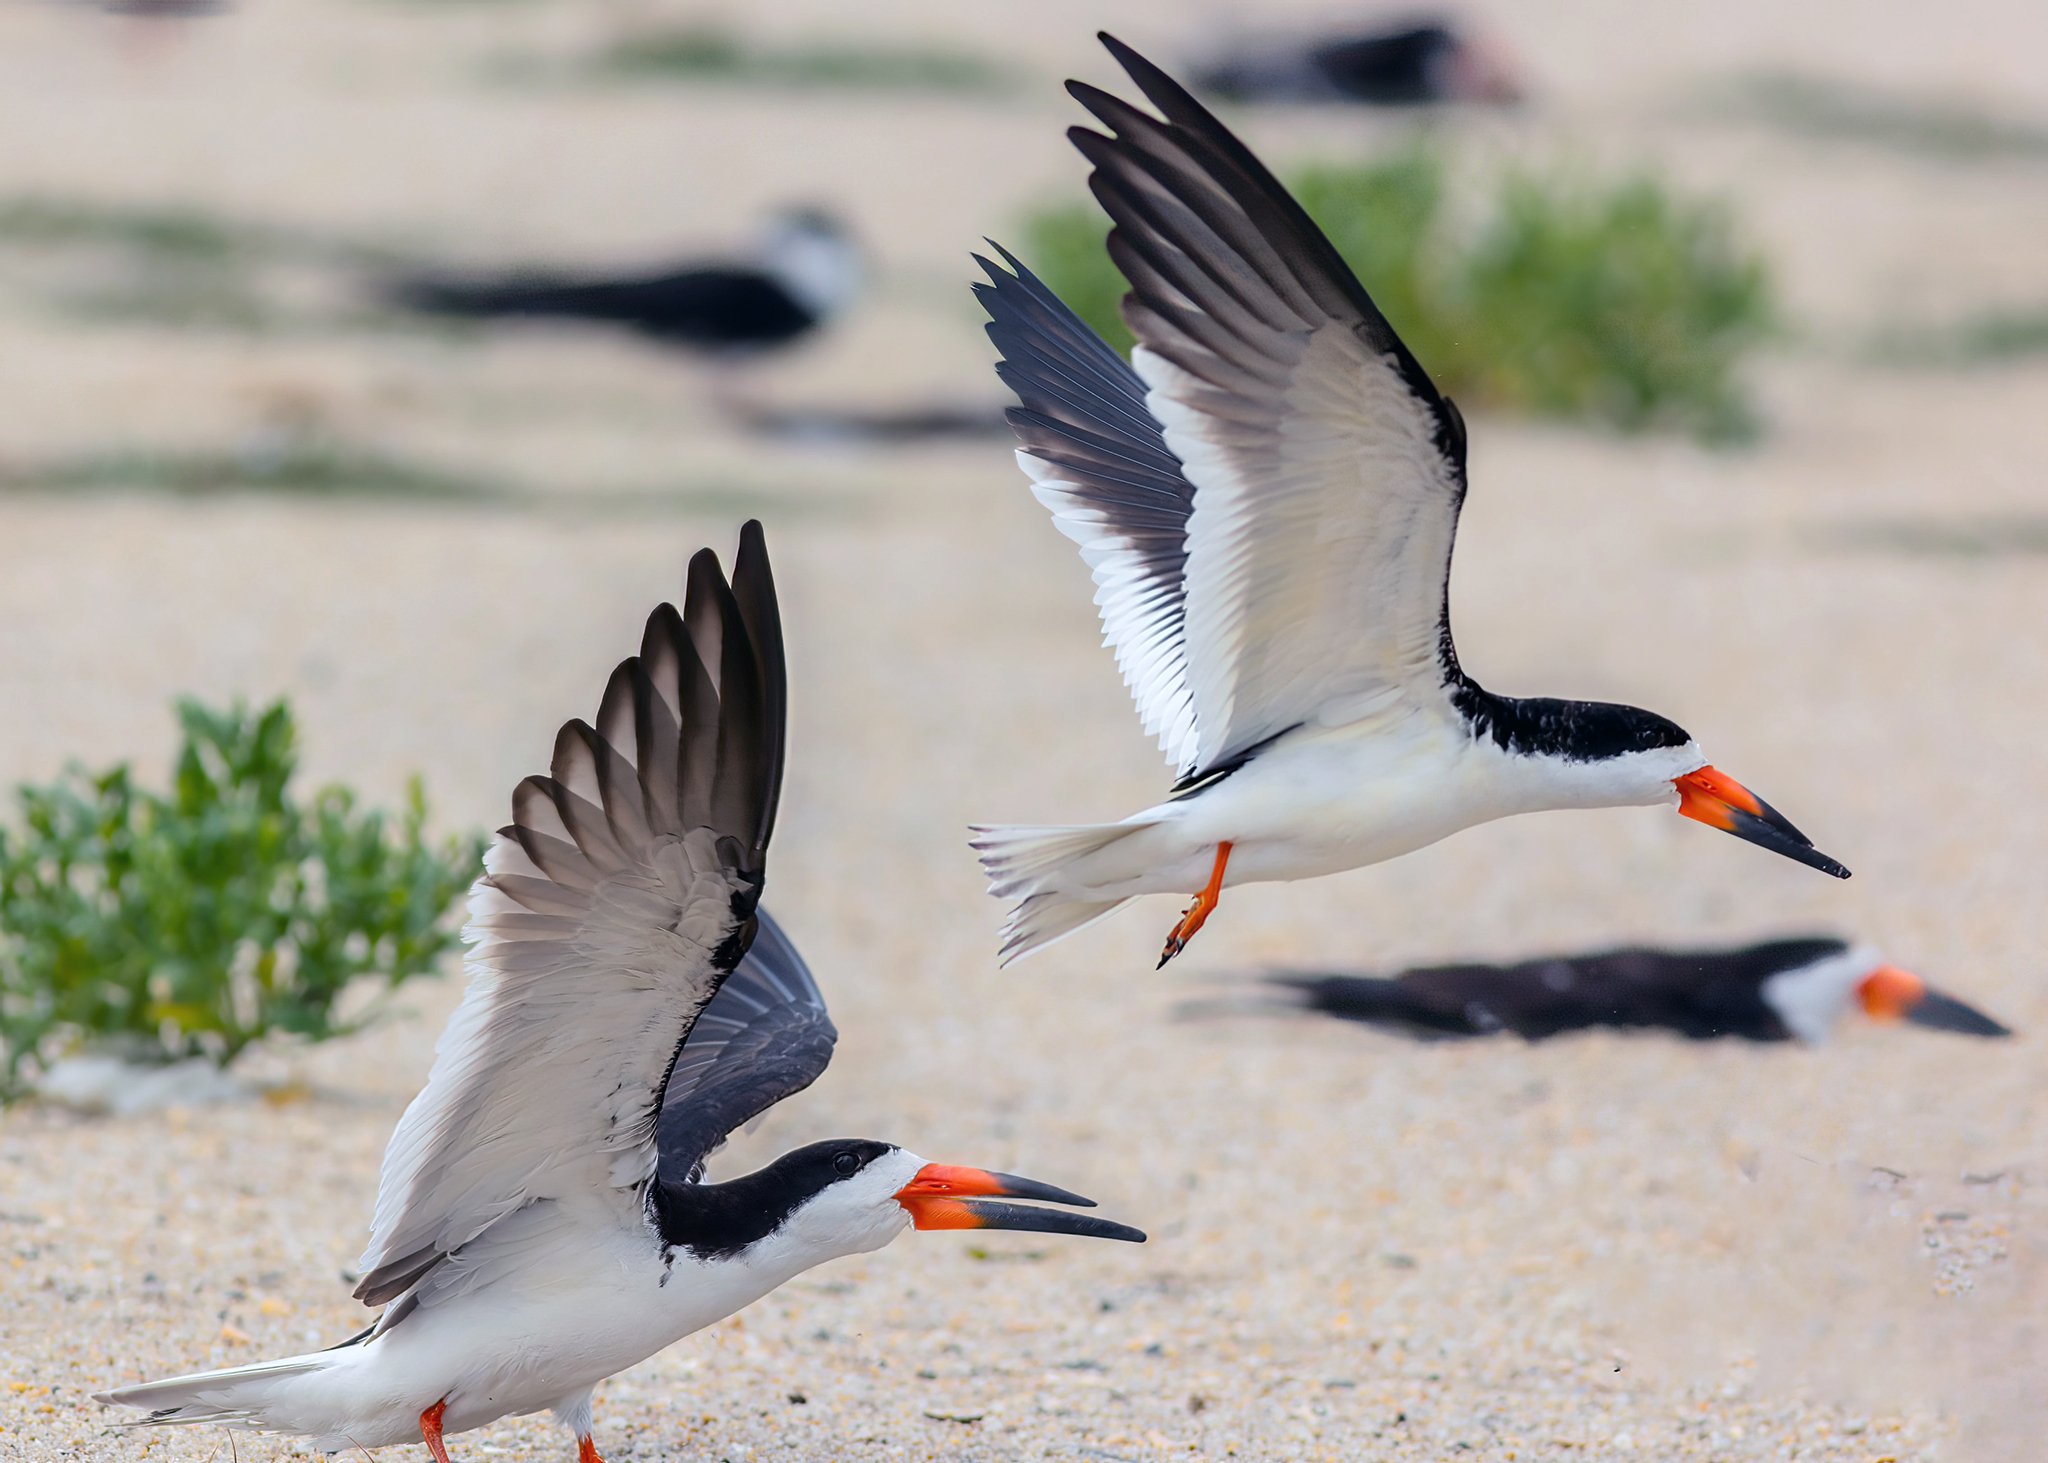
846 1163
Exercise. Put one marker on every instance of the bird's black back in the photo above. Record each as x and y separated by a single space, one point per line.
1696 993
696 307
1398 68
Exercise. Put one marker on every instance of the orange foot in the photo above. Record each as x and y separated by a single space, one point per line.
1198 912
586 1450
430 1429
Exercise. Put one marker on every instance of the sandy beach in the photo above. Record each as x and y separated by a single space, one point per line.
1362 1248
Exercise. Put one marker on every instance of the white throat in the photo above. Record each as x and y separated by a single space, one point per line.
812 259
1811 999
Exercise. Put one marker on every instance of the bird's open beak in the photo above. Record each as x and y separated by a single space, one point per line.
944 1197
1891 994
1719 801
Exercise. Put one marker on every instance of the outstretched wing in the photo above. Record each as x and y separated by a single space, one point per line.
1098 460
765 1036
1326 469
610 912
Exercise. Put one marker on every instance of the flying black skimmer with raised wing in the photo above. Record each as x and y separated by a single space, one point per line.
806 271
542 1221
1779 990
1267 495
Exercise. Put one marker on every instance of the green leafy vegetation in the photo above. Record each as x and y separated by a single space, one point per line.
311 467
1989 338
167 232
179 232
1954 536
184 267
1064 248
712 53
1618 304
194 921
318 466
1841 111
1384 219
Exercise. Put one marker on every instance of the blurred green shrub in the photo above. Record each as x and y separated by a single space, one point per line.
1064 248
273 462
713 53
1384 219
196 921
1620 305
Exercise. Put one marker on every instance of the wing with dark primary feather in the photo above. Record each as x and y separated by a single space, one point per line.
612 909
1322 470
1098 459
765 1036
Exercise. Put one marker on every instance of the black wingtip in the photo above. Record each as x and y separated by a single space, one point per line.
1135 65
753 593
996 276
1084 93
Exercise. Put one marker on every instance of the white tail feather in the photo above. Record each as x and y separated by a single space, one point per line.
1018 860
233 1395
1046 919
1025 864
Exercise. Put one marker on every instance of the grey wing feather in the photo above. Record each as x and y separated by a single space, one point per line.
1327 470
1099 461
764 1037
610 912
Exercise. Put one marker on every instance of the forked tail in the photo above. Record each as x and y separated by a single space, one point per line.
1026 864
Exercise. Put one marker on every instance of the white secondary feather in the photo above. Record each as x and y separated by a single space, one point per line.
600 929
1319 541
1268 493
546 1079
1143 611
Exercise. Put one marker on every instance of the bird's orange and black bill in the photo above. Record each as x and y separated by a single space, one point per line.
1891 994
945 1197
1719 801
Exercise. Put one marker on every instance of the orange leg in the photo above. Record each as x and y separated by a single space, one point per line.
586 1450
1198 912
430 1429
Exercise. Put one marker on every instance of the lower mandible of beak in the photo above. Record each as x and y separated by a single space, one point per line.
947 1197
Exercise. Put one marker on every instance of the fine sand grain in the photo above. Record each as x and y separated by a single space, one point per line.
1361 1248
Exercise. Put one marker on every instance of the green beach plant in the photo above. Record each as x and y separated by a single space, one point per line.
1618 304
712 53
198 920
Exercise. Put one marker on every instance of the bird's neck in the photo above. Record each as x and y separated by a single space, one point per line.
718 1221
1565 731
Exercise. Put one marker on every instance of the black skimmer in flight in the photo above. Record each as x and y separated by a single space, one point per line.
806 270
1780 990
1414 64
542 1220
1267 496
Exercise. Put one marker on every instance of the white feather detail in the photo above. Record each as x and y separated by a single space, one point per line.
1318 543
1141 618
544 1082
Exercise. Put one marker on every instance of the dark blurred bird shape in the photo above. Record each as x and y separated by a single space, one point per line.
806 270
1780 990
1412 64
